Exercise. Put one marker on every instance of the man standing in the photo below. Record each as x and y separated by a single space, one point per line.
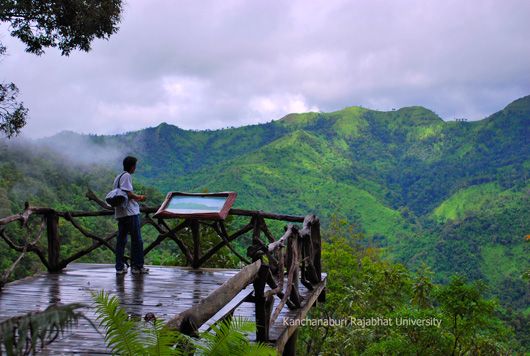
128 216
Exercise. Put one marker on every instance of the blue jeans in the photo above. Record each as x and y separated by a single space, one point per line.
130 225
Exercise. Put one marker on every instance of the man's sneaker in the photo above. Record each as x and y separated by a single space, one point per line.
122 271
142 270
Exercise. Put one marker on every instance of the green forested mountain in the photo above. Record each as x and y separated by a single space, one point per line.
452 194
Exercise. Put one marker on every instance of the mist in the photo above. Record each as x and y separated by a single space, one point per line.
83 150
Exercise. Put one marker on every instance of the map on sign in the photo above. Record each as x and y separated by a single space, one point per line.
195 204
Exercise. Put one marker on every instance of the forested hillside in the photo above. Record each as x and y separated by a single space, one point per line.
452 195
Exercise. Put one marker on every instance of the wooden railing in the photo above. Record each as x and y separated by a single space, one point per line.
275 268
297 254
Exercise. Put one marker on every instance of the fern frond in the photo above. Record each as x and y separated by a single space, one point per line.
22 334
122 336
260 349
221 340
230 337
161 341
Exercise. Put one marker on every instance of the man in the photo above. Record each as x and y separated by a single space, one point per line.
128 216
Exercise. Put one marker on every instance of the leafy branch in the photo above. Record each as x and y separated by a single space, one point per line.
22 335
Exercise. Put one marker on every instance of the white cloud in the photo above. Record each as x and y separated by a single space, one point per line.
274 106
213 64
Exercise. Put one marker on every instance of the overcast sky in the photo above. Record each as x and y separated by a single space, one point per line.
213 64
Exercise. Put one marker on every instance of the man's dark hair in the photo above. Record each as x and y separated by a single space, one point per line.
129 162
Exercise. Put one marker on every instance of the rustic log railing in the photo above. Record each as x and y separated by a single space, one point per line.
275 268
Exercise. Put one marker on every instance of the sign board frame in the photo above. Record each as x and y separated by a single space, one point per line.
221 215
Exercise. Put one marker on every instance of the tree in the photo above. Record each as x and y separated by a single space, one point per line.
471 320
12 113
361 284
422 288
40 24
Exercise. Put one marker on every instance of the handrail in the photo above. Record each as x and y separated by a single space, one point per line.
190 320
276 270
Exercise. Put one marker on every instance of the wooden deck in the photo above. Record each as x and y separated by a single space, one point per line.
166 291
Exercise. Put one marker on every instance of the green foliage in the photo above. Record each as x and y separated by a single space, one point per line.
28 333
467 200
39 177
425 190
123 336
68 25
471 320
160 341
421 191
65 24
230 337
42 178
12 113
362 286
422 288
487 243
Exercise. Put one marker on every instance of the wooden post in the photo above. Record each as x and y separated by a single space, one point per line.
263 305
300 314
316 241
257 231
54 242
195 233
290 346
292 263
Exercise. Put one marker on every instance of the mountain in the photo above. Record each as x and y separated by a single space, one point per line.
452 194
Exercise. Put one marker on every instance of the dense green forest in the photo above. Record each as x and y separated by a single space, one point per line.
450 197
380 294
452 194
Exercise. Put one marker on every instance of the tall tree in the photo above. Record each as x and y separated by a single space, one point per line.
39 24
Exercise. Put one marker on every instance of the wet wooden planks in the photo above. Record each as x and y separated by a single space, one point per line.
165 291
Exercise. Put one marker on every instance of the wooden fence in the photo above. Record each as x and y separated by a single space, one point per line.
281 263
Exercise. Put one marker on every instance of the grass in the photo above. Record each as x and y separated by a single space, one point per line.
466 200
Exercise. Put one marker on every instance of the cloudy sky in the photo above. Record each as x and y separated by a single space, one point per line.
213 64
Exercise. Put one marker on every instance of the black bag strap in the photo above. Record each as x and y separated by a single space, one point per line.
119 179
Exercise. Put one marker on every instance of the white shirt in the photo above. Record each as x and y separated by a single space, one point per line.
132 207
